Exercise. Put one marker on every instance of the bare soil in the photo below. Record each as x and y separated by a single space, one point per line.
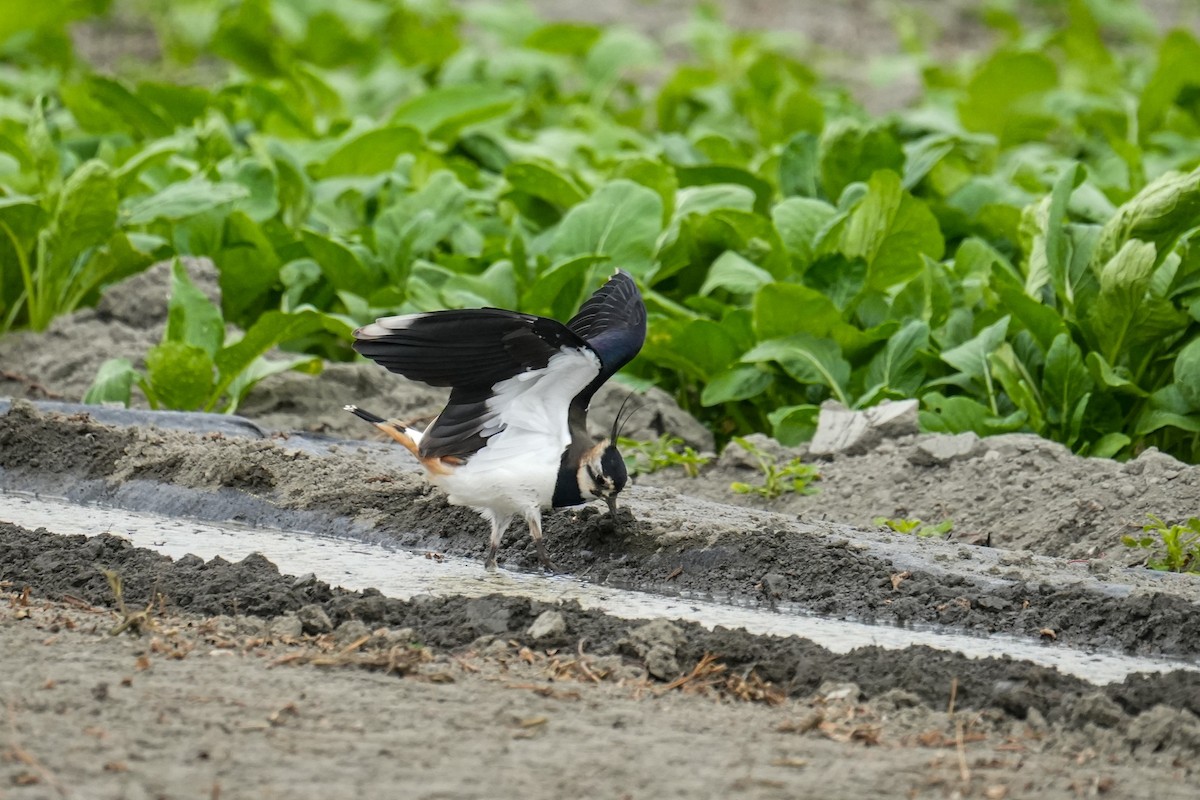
693 712
241 682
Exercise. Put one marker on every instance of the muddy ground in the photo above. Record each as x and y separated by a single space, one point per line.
194 701
241 682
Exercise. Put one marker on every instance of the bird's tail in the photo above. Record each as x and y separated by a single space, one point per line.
409 437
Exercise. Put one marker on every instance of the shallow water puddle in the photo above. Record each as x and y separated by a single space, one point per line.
403 574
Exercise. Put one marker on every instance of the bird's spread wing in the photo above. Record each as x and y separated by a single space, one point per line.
497 364
613 323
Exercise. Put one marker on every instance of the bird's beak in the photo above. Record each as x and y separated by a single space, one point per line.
611 500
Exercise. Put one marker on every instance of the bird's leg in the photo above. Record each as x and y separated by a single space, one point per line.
611 500
534 518
499 526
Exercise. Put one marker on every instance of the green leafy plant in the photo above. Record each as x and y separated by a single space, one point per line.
1018 251
916 527
194 368
662 453
778 479
1175 548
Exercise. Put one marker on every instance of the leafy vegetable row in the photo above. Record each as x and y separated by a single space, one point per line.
1018 251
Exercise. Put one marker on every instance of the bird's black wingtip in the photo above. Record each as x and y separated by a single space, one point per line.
364 415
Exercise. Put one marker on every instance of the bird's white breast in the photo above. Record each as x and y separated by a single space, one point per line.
518 468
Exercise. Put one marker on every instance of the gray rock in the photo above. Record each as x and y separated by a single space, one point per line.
350 631
1155 462
397 636
287 626
1098 709
841 430
945 448
1163 727
833 691
656 643
488 616
314 620
657 413
661 662
549 624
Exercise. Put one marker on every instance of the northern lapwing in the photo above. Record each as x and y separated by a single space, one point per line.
513 437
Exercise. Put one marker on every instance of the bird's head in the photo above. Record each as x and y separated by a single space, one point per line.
602 474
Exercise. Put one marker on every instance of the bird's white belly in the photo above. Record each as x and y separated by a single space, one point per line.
509 476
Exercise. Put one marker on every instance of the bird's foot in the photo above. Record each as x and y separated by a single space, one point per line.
490 563
544 559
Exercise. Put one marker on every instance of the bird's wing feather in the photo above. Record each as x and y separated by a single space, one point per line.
467 347
613 321
476 352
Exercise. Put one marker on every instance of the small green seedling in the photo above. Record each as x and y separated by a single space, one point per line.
643 458
1179 545
916 527
794 476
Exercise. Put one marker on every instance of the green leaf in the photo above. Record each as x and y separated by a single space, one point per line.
1167 409
1006 96
734 274
370 152
654 175
971 357
700 348
271 329
442 112
621 220
86 214
249 268
1107 446
1018 383
1187 374
113 383
261 368
1109 377
1066 380
1159 214
962 414
341 264
892 231
191 317
799 220
180 375
1116 310
181 200
896 369
781 309
1050 247
713 174
739 383
1042 321
705 199
416 223
556 291
565 38
850 153
543 182
791 425
807 359
619 51
102 105
799 167
1177 69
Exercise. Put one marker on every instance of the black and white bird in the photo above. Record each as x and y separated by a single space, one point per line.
513 437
